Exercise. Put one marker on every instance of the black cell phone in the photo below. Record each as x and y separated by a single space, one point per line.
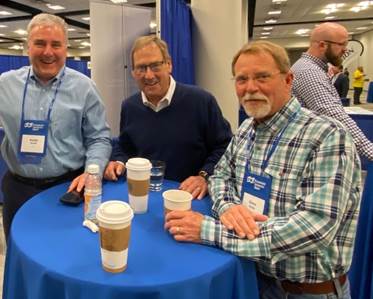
72 198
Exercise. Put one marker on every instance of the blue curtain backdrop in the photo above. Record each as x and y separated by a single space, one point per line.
361 272
10 62
176 32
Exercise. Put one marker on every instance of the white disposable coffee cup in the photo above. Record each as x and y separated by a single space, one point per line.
138 180
177 200
114 221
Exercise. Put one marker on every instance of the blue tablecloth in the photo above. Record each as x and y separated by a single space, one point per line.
50 255
361 272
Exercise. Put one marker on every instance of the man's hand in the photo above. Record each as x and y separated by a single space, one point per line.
242 221
113 170
78 183
196 185
185 226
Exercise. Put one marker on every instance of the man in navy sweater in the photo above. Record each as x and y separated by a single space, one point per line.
173 122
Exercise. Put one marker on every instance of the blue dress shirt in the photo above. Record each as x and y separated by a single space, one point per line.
78 133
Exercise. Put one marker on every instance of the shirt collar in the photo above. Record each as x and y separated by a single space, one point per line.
51 81
281 118
165 101
321 63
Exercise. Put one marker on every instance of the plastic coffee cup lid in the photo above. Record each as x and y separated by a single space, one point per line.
114 212
138 164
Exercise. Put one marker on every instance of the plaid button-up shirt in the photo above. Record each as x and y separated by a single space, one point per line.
314 201
313 88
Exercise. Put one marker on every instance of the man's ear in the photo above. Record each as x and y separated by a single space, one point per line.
169 65
289 77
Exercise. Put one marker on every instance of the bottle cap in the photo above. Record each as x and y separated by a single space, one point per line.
93 168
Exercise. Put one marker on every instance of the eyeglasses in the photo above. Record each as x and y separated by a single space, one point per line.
154 67
344 44
260 78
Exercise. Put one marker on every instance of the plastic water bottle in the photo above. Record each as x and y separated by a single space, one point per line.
92 193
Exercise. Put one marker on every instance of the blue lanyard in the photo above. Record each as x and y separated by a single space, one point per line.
274 144
53 100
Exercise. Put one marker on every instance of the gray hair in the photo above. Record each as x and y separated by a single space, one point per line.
277 52
47 20
143 41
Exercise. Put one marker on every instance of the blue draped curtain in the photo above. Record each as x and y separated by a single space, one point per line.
11 62
361 272
176 32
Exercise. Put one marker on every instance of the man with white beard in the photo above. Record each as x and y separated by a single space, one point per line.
286 191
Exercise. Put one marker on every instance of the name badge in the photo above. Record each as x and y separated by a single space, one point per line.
33 141
256 192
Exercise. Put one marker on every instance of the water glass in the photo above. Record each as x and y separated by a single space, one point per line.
156 175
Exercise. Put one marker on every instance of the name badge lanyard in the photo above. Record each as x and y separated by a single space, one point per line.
256 189
33 133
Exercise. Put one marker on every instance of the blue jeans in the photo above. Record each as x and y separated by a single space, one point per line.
271 289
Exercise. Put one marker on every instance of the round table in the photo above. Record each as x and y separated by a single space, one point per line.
51 255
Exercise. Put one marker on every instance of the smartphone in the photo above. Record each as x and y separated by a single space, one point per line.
72 198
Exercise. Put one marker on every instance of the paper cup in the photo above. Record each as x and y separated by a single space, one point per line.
114 220
138 179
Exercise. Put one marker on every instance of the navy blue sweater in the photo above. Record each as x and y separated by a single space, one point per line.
189 135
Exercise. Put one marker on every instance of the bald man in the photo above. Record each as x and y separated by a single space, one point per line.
312 85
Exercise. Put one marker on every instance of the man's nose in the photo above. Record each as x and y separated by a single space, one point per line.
149 73
48 50
251 85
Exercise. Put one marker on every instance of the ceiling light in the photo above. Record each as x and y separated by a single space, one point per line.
355 9
263 37
21 32
365 3
270 21
265 33
274 12
54 7
302 31
86 18
328 10
5 13
118 1
16 47
278 1
3 26
334 5
267 28
329 17
361 28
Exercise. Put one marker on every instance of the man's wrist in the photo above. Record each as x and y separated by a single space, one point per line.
204 174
